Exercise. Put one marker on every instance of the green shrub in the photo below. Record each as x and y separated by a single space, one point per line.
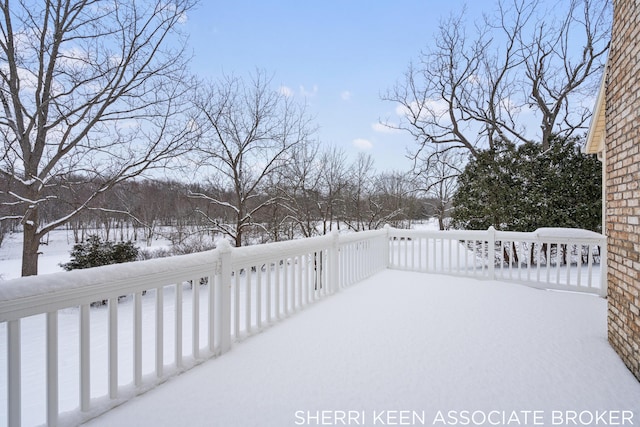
94 252
522 188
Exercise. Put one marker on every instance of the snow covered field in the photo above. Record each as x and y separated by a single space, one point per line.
56 251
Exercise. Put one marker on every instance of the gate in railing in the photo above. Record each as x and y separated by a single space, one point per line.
163 316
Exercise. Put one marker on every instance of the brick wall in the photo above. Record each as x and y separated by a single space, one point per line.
622 183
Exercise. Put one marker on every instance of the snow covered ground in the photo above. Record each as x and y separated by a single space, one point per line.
55 251
410 349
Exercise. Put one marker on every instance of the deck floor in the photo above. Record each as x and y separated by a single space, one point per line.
406 348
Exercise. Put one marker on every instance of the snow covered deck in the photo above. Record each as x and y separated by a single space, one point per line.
406 348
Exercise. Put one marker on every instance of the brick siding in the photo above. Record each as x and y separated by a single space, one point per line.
623 183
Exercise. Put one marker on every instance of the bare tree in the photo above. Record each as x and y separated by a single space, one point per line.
300 188
436 179
87 89
394 200
333 181
250 130
522 66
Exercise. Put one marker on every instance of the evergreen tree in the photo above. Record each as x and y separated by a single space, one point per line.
525 187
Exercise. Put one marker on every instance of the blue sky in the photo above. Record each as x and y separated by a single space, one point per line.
339 56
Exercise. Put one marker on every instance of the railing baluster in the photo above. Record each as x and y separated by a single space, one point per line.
259 297
269 309
426 254
579 264
236 304
413 254
349 265
292 279
247 297
113 347
285 286
539 263
548 261
52 369
15 373
307 286
343 270
213 298
85 357
362 260
195 318
603 263
393 252
178 324
137 339
568 252
558 262
277 289
435 255
299 281
159 331
502 259
522 249
457 256
466 257
513 258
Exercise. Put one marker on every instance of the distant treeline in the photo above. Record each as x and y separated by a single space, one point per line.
138 210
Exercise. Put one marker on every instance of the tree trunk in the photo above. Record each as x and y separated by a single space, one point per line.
531 255
30 247
238 239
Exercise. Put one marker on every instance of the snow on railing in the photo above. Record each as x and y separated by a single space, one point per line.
548 258
161 317
107 334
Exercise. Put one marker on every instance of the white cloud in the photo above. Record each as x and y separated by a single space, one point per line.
362 144
380 128
309 93
345 95
431 109
286 91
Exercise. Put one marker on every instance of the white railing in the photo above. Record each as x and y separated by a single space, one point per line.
162 317
549 258
110 333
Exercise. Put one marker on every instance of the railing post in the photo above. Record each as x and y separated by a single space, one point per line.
225 295
334 261
385 254
491 248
